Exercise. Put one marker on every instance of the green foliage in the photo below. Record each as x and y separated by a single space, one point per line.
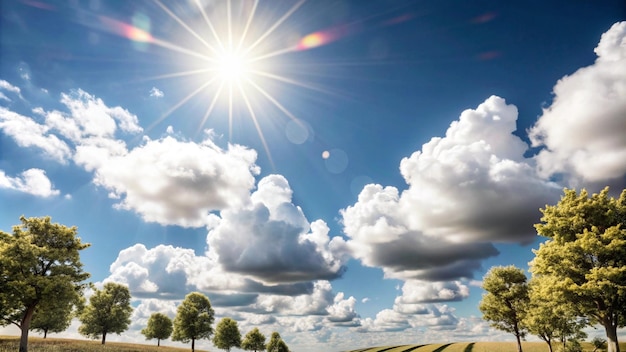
56 315
159 327
505 302
108 311
253 341
38 262
227 334
585 256
194 318
598 343
277 344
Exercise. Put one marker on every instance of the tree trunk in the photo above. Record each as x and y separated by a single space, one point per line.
549 345
611 338
25 326
104 337
158 342
193 345
519 343
45 333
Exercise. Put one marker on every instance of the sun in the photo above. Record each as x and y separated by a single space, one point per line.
233 67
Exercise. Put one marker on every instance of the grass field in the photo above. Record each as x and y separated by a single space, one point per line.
37 344
472 347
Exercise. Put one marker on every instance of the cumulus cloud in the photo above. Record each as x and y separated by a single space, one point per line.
270 239
582 131
156 93
466 190
31 181
28 133
415 291
173 182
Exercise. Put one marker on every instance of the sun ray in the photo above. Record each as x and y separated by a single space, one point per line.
211 107
175 74
230 112
181 102
273 100
208 22
273 54
257 126
230 25
184 25
247 26
275 25
173 47
292 81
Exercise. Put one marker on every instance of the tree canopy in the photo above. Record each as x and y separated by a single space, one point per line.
585 256
505 302
194 318
56 315
159 327
253 341
108 311
277 344
227 334
39 262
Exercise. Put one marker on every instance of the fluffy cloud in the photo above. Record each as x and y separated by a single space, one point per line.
156 93
582 131
31 181
270 239
415 291
28 133
470 188
174 182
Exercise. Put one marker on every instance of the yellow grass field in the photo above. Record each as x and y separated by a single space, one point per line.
37 344
472 347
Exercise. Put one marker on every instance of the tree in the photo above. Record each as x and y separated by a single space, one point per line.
56 315
598 343
159 327
39 262
253 341
504 304
108 311
585 256
277 344
194 317
549 316
227 334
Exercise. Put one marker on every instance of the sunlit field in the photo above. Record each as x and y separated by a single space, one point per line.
37 344
472 347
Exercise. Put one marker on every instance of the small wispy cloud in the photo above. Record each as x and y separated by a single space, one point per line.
8 87
156 93
31 181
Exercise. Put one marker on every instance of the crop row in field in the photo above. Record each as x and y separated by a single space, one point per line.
470 347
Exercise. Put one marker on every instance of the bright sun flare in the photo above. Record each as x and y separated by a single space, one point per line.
233 67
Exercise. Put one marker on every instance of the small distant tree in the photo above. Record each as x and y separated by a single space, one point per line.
504 304
253 341
38 261
194 318
227 334
56 315
108 311
159 327
598 343
277 344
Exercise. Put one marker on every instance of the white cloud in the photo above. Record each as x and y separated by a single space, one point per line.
583 130
270 239
31 181
156 93
8 87
28 133
178 183
467 189
415 291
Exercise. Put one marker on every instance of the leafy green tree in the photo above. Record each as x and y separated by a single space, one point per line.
549 316
227 334
504 304
277 344
585 256
159 327
253 341
598 343
56 315
194 318
108 311
39 263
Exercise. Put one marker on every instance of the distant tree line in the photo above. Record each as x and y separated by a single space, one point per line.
578 276
42 286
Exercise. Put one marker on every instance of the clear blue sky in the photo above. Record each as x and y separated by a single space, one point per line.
343 172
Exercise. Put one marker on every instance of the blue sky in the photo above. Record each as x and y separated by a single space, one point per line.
343 172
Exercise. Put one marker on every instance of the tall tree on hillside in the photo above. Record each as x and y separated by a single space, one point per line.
227 334
39 262
194 318
108 311
549 316
585 256
505 302
159 327
253 341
